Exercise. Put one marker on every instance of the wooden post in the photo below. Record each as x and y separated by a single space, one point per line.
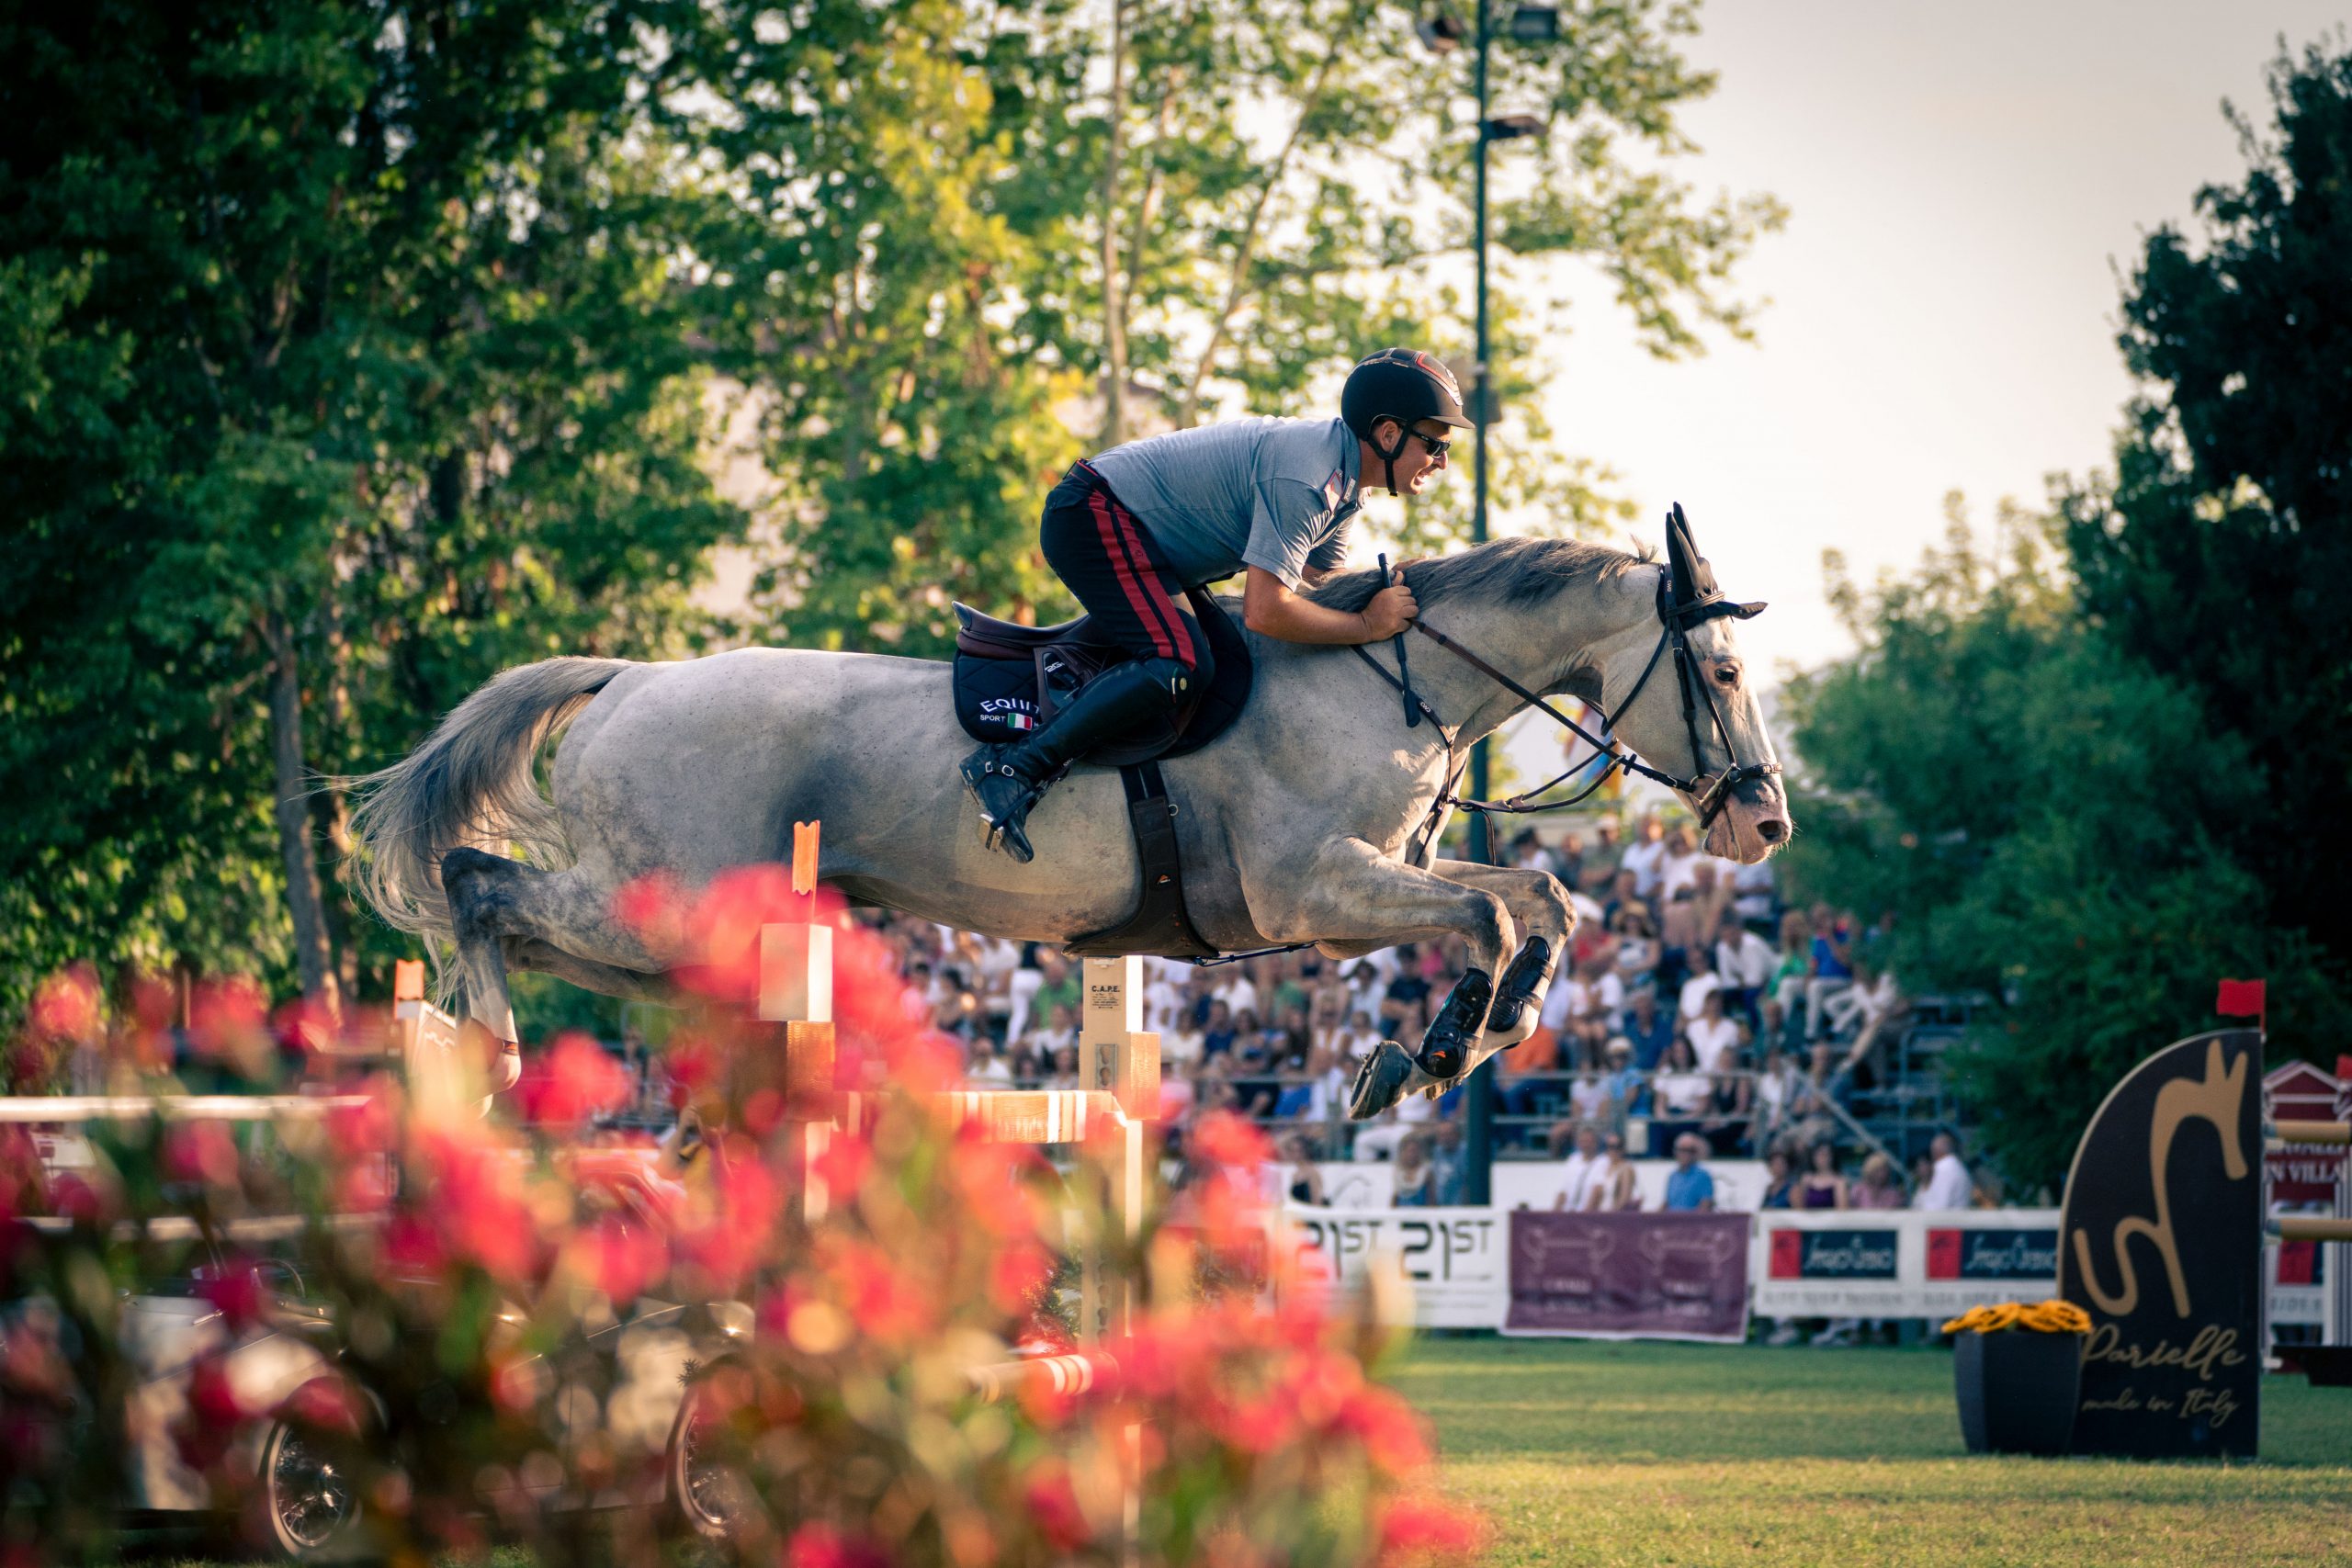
797 990
1117 1056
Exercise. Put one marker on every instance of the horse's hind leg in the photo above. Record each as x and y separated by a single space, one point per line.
605 979
496 902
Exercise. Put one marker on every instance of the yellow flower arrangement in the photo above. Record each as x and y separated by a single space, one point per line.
2043 1318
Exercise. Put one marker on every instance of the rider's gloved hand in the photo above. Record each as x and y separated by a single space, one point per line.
1391 610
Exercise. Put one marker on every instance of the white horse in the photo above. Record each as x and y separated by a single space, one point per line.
1312 820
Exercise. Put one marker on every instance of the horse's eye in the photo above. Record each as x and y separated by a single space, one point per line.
1727 675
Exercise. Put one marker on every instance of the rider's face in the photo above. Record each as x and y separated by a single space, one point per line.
1418 465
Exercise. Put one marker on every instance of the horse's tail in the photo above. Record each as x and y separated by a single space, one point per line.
474 782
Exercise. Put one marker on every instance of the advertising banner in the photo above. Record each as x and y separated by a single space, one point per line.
1682 1276
1452 1261
1903 1262
2302 1173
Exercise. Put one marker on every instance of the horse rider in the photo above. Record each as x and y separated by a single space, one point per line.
1132 529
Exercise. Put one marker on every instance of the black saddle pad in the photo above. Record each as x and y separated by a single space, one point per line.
1011 678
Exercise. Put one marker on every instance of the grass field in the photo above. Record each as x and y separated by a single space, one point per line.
1606 1454
1674 1455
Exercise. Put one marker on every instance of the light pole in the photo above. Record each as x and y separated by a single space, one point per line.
1442 32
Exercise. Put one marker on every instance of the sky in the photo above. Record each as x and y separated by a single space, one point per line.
1963 183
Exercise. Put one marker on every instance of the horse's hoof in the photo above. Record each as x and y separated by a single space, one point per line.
1445 1049
1380 1081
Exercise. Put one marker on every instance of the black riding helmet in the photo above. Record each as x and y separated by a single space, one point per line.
1405 385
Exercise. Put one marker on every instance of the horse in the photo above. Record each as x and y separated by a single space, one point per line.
1312 820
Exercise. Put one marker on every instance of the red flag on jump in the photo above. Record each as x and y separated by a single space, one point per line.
2241 999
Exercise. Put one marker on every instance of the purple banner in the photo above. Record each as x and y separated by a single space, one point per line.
1625 1275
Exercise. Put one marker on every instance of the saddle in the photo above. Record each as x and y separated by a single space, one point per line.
1009 678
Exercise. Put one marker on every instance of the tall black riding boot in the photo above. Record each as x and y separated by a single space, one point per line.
1007 780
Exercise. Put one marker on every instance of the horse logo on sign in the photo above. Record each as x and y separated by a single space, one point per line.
2162 1178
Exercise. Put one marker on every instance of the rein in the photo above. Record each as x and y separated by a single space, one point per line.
1675 621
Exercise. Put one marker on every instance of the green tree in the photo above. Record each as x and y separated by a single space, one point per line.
857 285
1284 182
2219 554
350 368
1175 209
2045 819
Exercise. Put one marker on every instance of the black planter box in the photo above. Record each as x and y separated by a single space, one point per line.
2017 1390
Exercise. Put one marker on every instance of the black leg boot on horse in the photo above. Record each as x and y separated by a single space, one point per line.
1381 1077
1007 780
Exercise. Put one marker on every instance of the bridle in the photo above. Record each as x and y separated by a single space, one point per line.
1687 596
1684 600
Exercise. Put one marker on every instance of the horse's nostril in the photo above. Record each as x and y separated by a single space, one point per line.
1772 830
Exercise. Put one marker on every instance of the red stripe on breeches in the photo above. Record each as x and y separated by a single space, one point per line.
1122 541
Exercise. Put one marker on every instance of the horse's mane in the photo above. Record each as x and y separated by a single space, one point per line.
1515 571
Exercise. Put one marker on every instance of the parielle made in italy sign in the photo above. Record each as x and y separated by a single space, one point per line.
2161 1242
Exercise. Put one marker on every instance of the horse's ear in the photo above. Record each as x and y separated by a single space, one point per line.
1694 580
1696 594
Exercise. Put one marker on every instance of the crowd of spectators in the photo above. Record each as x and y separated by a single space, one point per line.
1695 1016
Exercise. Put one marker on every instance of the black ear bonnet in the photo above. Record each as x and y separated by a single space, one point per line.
1696 596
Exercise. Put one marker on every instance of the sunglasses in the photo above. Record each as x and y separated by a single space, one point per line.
1436 446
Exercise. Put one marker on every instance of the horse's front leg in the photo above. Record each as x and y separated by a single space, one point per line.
1545 917
1354 893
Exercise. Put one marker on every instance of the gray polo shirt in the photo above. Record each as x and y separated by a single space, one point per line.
1275 493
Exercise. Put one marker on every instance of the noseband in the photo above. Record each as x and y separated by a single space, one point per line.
1677 614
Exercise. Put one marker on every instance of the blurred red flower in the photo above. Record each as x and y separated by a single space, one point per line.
621 1257
214 1413
77 1200
226 1016
369 1128
1053 1505
848 1158
235 1288
1414 1531
67 1006
1231 1140
410 1250
822 1546
1017 1271
327 1405
1389 1429
575 1079
475 1199
890 1303
730 1235
201 1151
